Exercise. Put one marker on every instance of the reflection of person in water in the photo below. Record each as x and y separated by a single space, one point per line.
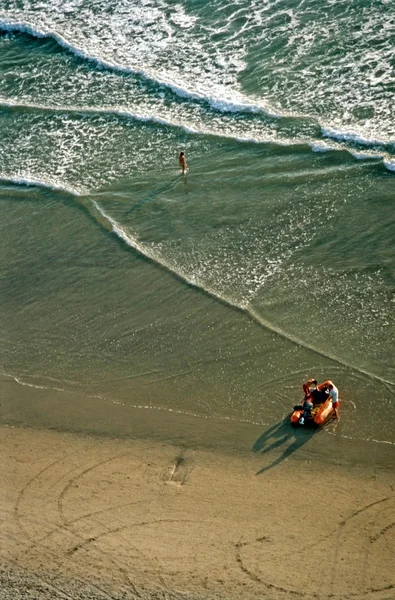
183 162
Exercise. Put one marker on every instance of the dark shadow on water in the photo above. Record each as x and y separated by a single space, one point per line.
153 194
282 434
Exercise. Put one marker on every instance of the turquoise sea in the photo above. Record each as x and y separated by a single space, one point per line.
217 293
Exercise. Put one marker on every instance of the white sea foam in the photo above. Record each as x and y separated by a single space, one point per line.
238 102
103 110
145 250
146 118
320 147
354 137
316 146
19 379
389 164
205 58
35 181
366 155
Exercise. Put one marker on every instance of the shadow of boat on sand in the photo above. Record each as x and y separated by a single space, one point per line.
282 435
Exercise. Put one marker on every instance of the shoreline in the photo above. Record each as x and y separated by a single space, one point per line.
175 507
69 412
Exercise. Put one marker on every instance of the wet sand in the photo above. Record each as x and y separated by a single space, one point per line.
221 510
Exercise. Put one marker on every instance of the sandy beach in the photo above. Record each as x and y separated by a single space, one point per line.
262 515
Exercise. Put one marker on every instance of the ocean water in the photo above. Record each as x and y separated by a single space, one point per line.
216 293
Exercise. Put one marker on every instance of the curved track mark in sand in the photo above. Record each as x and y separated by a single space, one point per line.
68 528
90 540
73 480
338 530
17 507
382 531
83 541
65 526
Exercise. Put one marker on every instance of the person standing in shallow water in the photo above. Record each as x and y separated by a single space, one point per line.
183 162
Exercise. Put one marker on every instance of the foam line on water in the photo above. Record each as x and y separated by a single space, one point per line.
242 104
316 146
96 110
158 259
150 254
36 182
256 317
149 118
238 102
389 164
320 146
18 379
259 319
355 137
353 438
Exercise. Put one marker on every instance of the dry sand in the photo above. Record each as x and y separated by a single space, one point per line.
85 516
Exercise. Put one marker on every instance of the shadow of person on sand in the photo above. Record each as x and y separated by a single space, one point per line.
282 434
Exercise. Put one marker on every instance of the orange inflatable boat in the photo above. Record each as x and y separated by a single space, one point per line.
315 408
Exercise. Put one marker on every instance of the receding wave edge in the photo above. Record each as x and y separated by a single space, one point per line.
111 224
247 309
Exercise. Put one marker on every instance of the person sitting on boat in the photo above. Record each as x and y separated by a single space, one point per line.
334 396
308 403
312 392
307 386
317 394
